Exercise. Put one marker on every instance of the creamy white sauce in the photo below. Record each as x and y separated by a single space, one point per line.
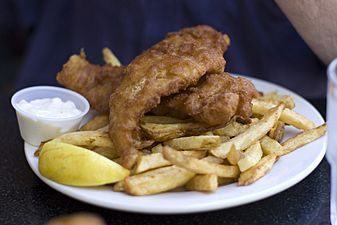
50 108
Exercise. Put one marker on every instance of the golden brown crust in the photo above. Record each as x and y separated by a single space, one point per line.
94 82
214 100
171 65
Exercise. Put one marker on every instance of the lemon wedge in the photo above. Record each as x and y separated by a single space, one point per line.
72 165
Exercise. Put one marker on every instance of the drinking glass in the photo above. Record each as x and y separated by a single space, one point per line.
332 136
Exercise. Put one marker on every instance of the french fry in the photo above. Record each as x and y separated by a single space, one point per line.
256 172
277 131
302 139
119 186
252 134
251 157
152 161
257 130
104 129
234 156
90 139
193 153
213 159
194 142
110 58
297 120
97 122
270 146
224 139
157 181
276 98
288 116
156 160
157 148
164 132
96 141
225 181
205 182
199 154
199 166
222 150
161 120
232 129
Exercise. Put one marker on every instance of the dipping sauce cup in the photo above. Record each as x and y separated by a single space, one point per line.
36 129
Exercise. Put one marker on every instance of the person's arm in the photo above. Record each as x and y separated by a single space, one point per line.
316 22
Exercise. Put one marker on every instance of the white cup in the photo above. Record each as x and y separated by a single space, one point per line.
35 129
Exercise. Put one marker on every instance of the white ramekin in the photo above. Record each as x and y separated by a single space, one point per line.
34 129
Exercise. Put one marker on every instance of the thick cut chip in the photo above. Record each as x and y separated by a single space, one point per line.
199 154
288 116
277 131
152 161
99 121
270 146
104 129
258 130
164 132
157 148
156 160
157 181
199 166
302 139
205 182
110 58
234 156
276 98
251 157
213 159
194 142
222 150
225 181
232 129
119 186
256 172
91 139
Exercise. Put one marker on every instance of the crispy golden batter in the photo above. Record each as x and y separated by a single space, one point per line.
214 100
94 82
171 65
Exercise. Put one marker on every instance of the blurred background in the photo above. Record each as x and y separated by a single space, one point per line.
14 36
37 37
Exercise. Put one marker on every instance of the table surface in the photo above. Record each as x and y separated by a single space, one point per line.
25 199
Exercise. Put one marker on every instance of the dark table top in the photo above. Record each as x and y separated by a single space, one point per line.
25 199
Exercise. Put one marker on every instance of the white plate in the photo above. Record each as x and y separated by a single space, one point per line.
287 171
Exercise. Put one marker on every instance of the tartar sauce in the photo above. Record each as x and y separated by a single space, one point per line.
50 108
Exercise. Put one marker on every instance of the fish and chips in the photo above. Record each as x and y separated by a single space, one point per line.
173 118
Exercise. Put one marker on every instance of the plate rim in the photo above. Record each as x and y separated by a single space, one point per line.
199 207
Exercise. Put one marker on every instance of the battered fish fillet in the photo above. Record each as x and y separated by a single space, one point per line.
171 65
94 82
214 100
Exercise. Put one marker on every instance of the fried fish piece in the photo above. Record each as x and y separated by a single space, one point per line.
94 82
168 67
215 100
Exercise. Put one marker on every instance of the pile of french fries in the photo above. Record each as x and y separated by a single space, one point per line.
185 153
